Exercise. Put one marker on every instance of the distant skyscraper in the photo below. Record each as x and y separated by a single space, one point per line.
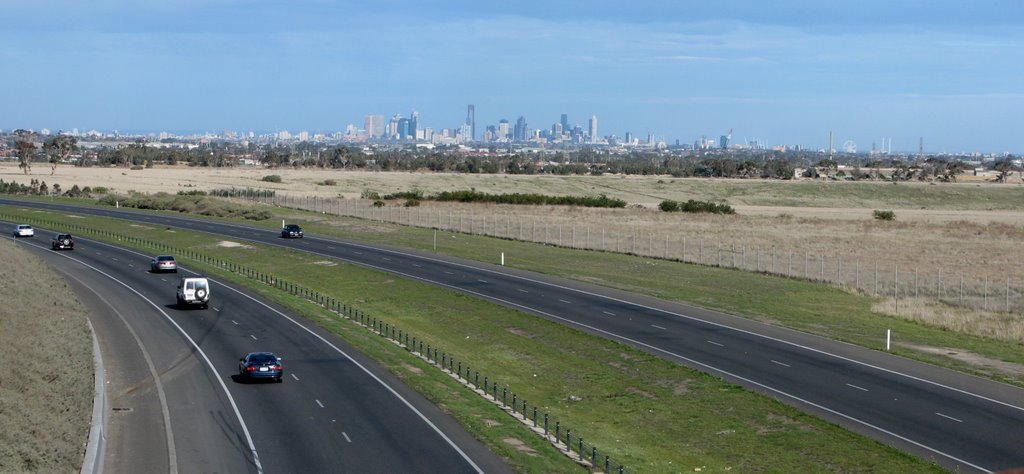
519 132
565 122
404 125
414 124
723 141
593 128
471 121
374 125
503 130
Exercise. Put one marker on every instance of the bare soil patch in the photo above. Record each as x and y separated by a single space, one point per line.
520 446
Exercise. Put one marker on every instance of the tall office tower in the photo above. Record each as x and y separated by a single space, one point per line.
593 129
723 142
414 124
471 121
520 129
393 126
503 129
629 138
565 122
403 128
370 125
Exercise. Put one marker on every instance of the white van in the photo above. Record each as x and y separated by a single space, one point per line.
193 291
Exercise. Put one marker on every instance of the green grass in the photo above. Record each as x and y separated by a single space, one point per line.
46 392
648 413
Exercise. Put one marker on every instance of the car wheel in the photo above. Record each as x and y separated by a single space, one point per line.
279 380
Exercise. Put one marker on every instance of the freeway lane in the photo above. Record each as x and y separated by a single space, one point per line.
335 412
962 422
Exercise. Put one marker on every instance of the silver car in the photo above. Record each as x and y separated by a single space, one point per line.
163 263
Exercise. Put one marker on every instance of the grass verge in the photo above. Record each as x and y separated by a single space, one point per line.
650 414
46 392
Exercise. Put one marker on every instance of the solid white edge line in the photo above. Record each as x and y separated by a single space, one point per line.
93 461
199 350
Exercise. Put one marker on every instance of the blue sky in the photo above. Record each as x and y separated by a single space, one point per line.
785 72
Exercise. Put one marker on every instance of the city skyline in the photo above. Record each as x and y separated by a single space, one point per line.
786 73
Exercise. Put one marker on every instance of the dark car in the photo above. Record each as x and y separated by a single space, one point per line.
260 365
163 263
292 231
62 241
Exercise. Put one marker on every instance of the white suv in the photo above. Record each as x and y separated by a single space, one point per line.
193 291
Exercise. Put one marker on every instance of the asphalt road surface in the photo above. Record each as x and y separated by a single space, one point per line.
176 403
962 422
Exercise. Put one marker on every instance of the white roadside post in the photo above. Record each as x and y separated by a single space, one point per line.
503 259
888 339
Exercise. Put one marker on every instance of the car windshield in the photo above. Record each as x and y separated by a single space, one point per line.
165 259
201 285
292 227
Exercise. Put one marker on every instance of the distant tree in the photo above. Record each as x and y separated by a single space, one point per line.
25 148
1004 168
58 148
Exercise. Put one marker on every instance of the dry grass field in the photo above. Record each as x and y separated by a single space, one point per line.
47 390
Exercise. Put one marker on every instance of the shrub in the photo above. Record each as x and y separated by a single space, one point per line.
328 182
884 215
412 203
696 207
100 190
368 194
669 206
192 193
272 178
378 203
138 167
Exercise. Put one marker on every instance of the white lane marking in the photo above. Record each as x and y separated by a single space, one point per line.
357 252
331 247
659 327
163 279
131 265
346 436
858 388
417 265
253 337
481 281
216 309
566 302
318 403
296 377
716 343
387 259
448 273
114 259
780 363
201 353
234 322
950 417
609 313
522 290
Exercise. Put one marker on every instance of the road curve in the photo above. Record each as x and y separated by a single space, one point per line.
962 422
176 404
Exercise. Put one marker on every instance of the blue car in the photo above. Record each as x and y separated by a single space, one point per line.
260 365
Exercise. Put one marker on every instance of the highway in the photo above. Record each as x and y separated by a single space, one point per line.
176 404
962 422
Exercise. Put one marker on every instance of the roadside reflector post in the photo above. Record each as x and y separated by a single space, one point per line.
503 259
888 339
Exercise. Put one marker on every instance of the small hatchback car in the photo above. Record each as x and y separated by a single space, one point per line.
260 365
62 241
24 230
292 231
193 291
163 263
